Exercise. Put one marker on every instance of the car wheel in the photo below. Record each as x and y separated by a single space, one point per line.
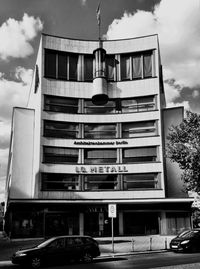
35 262
87 257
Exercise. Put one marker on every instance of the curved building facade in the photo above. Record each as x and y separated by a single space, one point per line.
93 134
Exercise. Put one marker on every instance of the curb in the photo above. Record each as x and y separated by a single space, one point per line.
107 255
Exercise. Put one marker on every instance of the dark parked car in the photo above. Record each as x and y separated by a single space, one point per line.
188 240
58 250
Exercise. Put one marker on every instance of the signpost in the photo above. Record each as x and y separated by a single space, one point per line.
112 213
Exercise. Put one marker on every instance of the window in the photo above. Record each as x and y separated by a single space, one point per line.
125 67
60 155
56 182
140 181
96 131
134 155
110 67
147 65
61 65
61 129
136 66
61 104
50 63
90 108
138 104
73 66
88 68
100 156
139 129
100 182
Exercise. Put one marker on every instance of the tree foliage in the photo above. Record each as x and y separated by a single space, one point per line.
183 147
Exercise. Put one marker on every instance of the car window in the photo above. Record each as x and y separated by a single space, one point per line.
58 243
188 234
69 241
78 241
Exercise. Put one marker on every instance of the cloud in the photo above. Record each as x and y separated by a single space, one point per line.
14 93
177 23
16 36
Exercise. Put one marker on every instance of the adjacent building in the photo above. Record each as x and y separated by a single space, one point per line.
94 134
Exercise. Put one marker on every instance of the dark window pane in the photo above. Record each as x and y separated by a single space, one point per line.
60 155
101 182
73 66
50 64
61 104
88 68
62 66
141 181
61 129
90 108
56 182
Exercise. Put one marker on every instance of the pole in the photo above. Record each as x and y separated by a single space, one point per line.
112 237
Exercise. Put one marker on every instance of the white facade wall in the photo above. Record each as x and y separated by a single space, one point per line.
21 169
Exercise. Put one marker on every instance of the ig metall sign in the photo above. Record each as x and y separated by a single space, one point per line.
112 210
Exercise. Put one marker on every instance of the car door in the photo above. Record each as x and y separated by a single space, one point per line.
55 251
73 246
196 240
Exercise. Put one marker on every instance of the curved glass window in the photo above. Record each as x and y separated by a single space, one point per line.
61 104
97 131
90 108
139 129
61 129
134 155
100 182
60 155
100 156
59 182
141 181
138 104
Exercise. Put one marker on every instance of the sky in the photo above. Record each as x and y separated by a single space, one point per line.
177 23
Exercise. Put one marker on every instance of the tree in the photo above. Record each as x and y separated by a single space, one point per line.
183 147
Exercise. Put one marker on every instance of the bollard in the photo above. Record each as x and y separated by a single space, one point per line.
150 248
133 242
165 243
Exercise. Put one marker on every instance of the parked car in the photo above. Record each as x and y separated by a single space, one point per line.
188 240
58 250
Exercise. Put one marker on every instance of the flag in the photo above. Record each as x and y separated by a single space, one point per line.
98 14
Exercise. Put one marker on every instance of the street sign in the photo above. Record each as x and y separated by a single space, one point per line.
112 210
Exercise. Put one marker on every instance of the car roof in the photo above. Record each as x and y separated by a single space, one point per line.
70 236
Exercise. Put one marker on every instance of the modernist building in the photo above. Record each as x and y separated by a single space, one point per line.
94 134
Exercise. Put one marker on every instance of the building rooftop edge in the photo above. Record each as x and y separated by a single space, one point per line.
96 40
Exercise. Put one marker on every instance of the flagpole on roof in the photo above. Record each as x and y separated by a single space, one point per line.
98 13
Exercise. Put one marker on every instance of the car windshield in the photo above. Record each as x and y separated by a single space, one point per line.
188 234
45 243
